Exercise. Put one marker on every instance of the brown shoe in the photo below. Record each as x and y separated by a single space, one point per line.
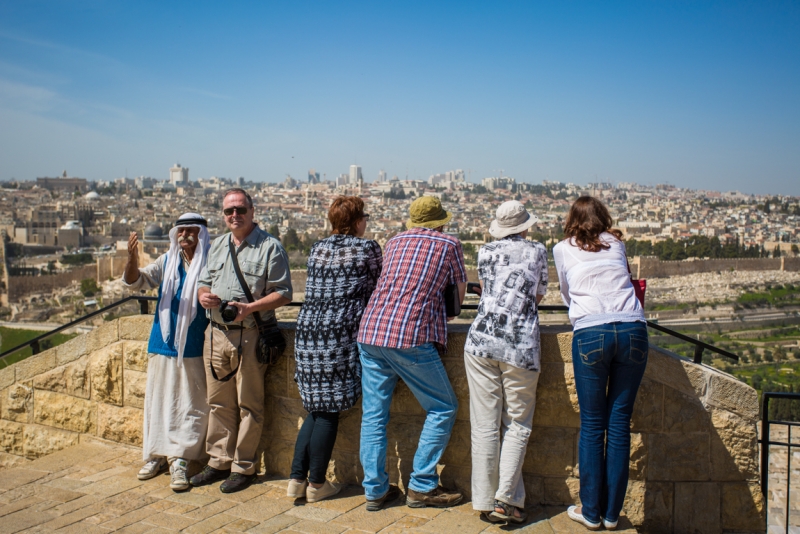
436 498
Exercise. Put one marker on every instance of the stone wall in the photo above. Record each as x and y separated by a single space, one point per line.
694 458
652 267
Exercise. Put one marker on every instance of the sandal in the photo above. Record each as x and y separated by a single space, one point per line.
487 516
508 513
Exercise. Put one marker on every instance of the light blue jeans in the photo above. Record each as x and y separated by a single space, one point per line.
422 371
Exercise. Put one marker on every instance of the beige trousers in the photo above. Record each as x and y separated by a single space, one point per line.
501 403
237 405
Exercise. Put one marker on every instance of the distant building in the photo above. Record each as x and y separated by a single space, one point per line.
144 182
63 183
498 182
178 175
313 176
355 175
381 176
342 180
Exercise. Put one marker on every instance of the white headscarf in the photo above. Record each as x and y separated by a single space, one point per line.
188 307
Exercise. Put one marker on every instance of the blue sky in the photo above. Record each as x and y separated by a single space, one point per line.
698 94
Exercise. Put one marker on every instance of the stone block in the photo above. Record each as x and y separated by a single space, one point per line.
345 467
556 397
648 411
103 336
348 438
11 437
277 380
734 447
287 417
123 425
403 434
63 411
72 379
7 376
638 461
135 383
699 506
403 401
725 391
8 461
72 350
684 413
135 327
679 457
534 490
17 403
42 440
458 451
135 355
105 369
649 506
458 380
676 372
551 451
743 507
36 364
560 491
556 347
277 456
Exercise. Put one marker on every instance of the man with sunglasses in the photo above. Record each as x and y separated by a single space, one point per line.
235 377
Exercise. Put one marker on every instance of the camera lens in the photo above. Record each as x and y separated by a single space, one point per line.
227 311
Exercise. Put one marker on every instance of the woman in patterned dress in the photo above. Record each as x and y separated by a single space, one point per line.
343 270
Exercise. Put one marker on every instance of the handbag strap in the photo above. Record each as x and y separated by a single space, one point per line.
240 277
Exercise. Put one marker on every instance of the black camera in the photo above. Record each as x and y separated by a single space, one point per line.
227 311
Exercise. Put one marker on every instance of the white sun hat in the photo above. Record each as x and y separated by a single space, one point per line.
511 218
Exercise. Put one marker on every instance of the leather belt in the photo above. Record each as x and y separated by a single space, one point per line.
227 327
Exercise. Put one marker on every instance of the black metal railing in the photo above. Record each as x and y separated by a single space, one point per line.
766 442
699 346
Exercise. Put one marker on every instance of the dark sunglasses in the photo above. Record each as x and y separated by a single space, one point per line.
240 210
365 215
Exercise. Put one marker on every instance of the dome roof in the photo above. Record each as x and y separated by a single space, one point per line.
153 231
91 195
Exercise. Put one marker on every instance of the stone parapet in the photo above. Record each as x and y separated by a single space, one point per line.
694 453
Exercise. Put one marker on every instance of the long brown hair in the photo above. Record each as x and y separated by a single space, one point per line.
344 214
587 219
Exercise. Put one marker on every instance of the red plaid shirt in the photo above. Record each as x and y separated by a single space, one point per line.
407 308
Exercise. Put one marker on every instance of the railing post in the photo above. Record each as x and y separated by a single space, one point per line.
764 445
35 347
698 354
144 308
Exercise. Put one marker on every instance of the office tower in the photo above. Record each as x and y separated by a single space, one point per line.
313 176
355 175
178 175
382 176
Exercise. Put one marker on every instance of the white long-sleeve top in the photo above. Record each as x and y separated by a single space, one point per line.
596 285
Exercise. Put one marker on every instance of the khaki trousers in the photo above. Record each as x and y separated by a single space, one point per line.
237 405
501 403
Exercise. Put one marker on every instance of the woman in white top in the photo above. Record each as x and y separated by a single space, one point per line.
609 355
502 360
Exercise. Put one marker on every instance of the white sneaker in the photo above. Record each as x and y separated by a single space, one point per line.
573 514
152 468
179 480
610 525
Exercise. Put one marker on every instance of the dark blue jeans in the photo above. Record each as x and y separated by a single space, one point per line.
609 362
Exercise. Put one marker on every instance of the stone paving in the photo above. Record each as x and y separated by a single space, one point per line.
92 488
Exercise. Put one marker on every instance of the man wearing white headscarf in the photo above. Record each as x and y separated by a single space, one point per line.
175 406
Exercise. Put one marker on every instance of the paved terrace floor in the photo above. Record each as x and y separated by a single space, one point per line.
92 488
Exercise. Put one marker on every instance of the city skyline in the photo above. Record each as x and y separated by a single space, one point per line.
695 95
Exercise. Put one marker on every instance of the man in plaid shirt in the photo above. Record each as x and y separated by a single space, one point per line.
403 332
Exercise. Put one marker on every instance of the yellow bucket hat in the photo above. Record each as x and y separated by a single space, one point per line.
427 212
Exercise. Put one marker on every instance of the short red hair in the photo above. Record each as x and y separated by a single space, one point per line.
344 214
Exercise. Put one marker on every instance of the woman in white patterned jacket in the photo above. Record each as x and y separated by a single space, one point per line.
502 360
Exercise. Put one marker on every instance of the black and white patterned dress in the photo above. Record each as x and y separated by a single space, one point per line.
342 273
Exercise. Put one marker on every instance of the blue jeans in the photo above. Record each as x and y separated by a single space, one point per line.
609 362
422 371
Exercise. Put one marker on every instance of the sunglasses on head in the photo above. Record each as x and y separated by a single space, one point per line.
240 210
